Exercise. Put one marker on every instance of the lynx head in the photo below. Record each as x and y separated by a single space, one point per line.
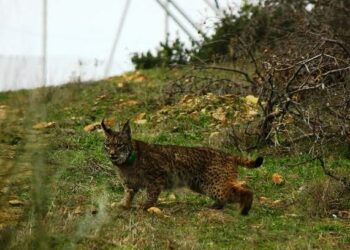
118 144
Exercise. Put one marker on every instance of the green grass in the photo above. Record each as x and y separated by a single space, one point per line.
70 177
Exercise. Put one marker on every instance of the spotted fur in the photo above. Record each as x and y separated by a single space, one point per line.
157 167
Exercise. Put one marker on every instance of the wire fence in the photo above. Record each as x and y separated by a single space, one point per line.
50 42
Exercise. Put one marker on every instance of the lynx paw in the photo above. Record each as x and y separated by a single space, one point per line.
217 206
124 205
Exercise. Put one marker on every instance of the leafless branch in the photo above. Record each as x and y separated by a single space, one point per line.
247 77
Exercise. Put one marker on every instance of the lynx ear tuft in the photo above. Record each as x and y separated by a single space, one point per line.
107 131
126 128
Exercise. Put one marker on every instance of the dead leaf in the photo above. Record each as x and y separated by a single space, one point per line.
264 200
140 78
114 205
128 103
78 210
5 190
344 214
210 96
276 202
101 97
155 210
141 122
140 116
135 77
301 189
3 109
252 100
292 215
186 99
44 125
16 203
258 226
219 114
215 139
277 179
92 127
131 102
172 197
252 113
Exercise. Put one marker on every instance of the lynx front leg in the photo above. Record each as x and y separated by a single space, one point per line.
153 193
128 197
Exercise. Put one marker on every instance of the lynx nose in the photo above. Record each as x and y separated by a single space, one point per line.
112 152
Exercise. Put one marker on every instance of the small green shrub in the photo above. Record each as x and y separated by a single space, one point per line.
167 55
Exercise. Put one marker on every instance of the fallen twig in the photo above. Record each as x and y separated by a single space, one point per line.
343 180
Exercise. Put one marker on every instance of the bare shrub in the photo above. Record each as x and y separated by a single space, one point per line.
325 198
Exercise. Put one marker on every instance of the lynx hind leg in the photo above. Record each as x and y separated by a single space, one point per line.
218 193
153 193
238 193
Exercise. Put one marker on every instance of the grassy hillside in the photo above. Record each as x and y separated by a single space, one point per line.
59 190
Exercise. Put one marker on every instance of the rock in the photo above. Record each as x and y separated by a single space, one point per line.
16 203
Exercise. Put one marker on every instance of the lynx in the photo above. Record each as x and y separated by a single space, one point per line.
156 167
